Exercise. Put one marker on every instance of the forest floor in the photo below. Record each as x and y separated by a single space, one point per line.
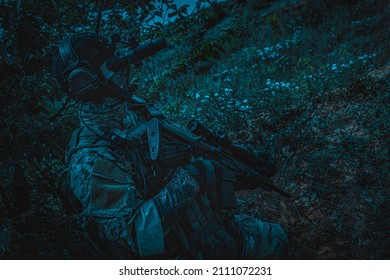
332 151
333 213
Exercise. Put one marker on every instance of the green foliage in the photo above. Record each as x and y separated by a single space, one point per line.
298 80
306 91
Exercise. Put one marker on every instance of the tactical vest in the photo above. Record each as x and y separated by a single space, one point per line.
204 232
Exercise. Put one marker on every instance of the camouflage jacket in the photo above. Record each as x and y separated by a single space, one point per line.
102 179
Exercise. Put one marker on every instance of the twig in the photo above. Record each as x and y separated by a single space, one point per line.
99 18
196 8
63 108
281 6
296 210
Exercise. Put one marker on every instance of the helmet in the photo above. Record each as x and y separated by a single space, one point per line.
79 63
86 62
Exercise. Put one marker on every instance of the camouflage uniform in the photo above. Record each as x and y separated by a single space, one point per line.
105 181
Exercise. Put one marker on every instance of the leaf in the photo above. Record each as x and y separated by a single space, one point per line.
172 14
184 9
157 13
151 6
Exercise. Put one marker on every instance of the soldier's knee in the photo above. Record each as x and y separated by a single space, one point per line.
280 243
274 241
262 240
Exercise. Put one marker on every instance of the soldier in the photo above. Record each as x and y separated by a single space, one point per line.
134 207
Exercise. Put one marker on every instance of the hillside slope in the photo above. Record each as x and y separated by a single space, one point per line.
307 80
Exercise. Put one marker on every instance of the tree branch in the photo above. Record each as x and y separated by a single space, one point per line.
99 16
63 108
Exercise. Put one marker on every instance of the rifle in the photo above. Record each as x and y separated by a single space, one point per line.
238 162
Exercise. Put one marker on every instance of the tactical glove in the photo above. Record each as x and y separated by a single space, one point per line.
177 195
207 172
209 175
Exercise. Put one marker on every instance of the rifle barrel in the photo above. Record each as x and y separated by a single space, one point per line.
237 155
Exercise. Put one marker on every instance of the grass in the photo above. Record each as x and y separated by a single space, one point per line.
303 87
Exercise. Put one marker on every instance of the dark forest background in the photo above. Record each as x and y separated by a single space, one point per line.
307 79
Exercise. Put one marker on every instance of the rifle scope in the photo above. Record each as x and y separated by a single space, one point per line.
128 56
200 129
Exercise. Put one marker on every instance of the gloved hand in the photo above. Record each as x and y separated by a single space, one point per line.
175 197
207 172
